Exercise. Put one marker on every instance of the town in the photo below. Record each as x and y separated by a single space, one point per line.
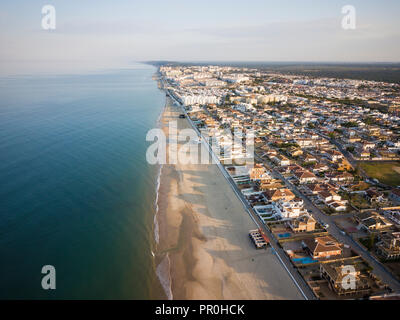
324 183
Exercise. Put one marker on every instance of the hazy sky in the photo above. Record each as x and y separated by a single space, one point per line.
99 34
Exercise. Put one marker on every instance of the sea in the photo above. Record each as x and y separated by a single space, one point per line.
76 191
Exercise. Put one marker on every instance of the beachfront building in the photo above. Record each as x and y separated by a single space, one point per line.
289 209
235 152
259 173
304 223
335 272
239 174
279 194
266 212
322 247
281 210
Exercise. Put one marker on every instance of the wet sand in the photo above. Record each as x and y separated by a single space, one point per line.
203 234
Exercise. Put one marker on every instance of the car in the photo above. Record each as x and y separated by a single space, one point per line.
325 225
182 116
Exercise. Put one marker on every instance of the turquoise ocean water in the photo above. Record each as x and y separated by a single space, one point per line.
76 191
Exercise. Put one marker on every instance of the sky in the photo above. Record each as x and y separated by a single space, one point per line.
98 34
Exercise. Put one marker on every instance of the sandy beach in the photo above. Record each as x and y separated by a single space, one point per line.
203 237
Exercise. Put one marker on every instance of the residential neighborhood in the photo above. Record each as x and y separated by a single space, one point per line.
324 175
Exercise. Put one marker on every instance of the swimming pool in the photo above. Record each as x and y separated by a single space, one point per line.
284 235
306 260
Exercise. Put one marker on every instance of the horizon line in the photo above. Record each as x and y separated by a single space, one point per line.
271 61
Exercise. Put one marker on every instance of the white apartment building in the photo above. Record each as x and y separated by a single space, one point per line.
289 209
199 99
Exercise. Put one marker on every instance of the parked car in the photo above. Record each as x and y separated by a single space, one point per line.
325 225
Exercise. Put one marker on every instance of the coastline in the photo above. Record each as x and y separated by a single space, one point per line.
203 250
162 262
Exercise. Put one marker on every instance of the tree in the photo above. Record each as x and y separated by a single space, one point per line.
311 125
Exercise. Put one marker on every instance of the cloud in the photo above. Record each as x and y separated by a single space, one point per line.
107 27
79 44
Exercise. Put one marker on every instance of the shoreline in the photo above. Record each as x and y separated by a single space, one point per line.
162 264
203 231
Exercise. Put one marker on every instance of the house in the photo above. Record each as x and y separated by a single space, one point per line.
387 153
294 167
345 176
342 177
364 153
372 221
258 173
305 142
314 188
295 152
335 272
333 155
289 209
374 196
281 160
352 140
258 140
322 247
304 223
283 170
393 215
270 152
310 158
376 223
327 196
332 200
305 176
319 167
367 145
279 194
337 205
271 185
389 246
